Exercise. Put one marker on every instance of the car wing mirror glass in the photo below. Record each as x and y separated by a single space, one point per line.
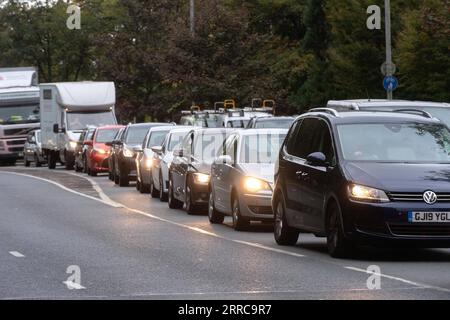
317 159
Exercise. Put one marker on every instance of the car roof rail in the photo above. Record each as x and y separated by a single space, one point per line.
415 111
326 110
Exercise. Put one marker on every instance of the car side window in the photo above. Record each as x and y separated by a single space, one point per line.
304 137
186 145
322 142
292 137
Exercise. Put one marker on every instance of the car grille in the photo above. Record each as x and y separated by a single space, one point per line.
16 132
16 149
261 210
417 197
15 142
442 230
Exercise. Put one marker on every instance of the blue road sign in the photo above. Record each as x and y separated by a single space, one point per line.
390 83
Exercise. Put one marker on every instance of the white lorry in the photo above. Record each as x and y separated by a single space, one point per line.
19 111
67 109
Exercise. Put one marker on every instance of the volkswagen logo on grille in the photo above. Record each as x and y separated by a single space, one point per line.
430 197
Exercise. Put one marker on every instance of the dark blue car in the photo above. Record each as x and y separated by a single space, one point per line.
379 178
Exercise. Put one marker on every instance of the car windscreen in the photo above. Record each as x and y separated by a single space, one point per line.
136 135
274 123
395 142
106 135
206 145
79 121
19 114
157 138
237 123
175 140
261 148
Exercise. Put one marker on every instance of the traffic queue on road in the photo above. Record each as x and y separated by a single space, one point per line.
355 172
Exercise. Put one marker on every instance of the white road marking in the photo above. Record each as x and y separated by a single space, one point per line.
73 285
17 254
109 202
415 284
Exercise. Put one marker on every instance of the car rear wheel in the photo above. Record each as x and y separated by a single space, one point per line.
239 223
26 162
215 217
52 158
69 161
173 203
284 234
338 245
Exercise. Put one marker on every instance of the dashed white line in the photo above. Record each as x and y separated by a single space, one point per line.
17 254
415 284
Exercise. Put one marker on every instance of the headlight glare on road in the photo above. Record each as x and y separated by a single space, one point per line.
128 153
362 193
252 184
202 178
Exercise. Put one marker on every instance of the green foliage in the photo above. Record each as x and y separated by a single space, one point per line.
299 52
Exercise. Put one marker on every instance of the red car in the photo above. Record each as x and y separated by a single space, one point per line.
97 152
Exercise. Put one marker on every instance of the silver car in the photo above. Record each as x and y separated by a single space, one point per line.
162 159
33 150
144 159
242 177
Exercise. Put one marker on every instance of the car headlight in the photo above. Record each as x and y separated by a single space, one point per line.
148 163
252 184
128 153
73 145
362 193
202 178
101 151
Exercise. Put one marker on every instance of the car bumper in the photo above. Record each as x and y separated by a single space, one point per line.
200 194
256 206
388 223
100 163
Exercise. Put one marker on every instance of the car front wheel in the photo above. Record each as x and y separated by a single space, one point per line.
338 245
215 217
284 234
239 223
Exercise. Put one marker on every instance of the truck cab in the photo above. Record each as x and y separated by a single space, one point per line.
19 111
66 110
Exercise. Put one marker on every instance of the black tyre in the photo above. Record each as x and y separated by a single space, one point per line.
52 158
239 223
154 193
338 245
138 185
26 162
70 161
124 181
37 163
191 207
116 179
284 234
93 173
215 217
173 203
145 188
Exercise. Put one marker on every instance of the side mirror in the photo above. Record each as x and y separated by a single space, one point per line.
224 159
178 153
55 128
157 149
317 159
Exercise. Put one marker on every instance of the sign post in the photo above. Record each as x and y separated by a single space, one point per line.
389 73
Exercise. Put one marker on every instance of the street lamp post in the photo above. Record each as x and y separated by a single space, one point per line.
389 71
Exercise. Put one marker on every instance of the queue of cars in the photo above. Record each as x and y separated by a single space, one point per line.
355 172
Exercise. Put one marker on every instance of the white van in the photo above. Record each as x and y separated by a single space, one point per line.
66 110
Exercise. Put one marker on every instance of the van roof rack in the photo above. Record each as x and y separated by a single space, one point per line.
422 113
325 110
